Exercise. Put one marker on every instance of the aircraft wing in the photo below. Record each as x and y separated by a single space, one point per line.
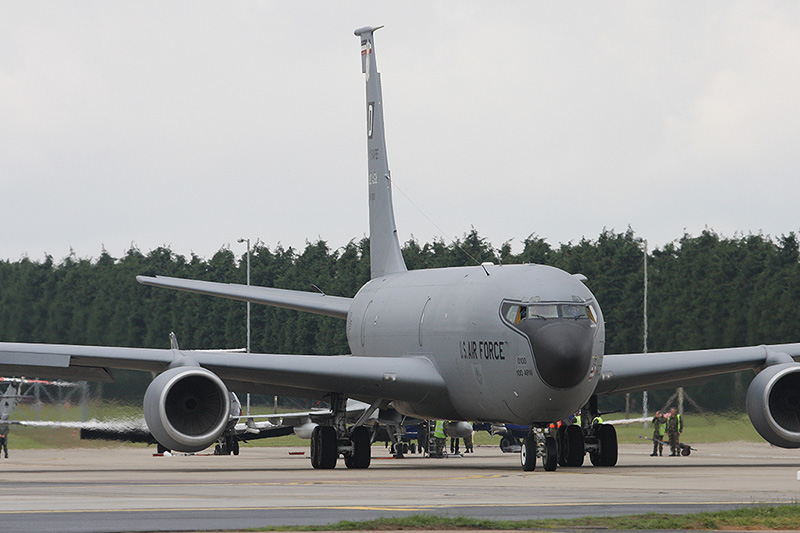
393 378
648 371
311 302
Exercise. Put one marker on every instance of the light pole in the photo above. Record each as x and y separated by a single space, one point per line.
248 310
644 326
248 284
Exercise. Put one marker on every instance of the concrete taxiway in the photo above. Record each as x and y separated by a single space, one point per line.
114 489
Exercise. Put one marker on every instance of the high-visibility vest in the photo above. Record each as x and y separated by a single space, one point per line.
597 420
577 420
438 431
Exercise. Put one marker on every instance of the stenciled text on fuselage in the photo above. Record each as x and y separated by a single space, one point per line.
486 350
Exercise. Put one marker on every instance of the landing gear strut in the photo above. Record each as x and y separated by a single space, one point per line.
227 445
330 441
601 439
538 444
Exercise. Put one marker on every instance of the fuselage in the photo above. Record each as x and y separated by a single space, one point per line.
515 343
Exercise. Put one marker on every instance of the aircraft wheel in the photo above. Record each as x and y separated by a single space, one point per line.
550 459
324 448
561 442
573 444
527 454
607 455
362 449
315 448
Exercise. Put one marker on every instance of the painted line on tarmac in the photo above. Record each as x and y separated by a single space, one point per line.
398 508
381 481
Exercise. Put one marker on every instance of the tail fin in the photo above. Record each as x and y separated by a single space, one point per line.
385 255
7 403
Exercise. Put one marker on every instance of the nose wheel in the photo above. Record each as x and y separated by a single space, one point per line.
537 444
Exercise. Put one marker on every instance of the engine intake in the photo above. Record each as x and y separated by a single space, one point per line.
773 404
187 409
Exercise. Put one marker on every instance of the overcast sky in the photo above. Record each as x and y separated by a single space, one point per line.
191 124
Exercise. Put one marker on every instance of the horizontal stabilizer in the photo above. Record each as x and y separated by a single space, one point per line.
310 302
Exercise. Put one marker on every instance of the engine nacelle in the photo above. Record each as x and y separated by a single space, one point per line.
187 408
773 404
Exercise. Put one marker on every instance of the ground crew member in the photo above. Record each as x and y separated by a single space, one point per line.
4 440
454 445
674 430
659 429
468 443
439 439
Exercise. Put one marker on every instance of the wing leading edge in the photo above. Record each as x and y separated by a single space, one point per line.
647 371
391 378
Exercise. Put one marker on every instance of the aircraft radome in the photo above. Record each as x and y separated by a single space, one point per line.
519 344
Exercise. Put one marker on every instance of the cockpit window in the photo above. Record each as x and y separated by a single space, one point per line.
543 311
574 311
516 313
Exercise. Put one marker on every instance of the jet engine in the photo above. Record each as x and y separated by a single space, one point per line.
187 408
773 404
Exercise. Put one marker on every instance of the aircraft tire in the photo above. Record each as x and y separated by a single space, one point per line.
573 444
315 447
550 459
561 442
328 448
324 448
505 445
527 454
607 455
362 449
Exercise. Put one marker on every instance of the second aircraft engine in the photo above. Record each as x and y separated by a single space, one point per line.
187 408
773 404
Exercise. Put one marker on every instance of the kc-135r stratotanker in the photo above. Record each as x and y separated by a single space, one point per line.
519 344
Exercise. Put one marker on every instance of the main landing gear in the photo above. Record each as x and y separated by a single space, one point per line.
569 444
228 445
328 442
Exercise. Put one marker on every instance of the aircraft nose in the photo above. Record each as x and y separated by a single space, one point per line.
563 352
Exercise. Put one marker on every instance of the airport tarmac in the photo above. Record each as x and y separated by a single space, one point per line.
128 489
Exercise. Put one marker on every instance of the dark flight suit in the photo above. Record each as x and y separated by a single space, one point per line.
659 428
674 429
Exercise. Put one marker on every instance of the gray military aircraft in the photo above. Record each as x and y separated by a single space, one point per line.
517 344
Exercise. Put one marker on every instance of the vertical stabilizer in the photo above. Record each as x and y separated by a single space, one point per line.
385 256
7 403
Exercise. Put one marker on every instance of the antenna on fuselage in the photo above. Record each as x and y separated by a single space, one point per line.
384 244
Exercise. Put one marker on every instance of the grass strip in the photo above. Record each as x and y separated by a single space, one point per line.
766 518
